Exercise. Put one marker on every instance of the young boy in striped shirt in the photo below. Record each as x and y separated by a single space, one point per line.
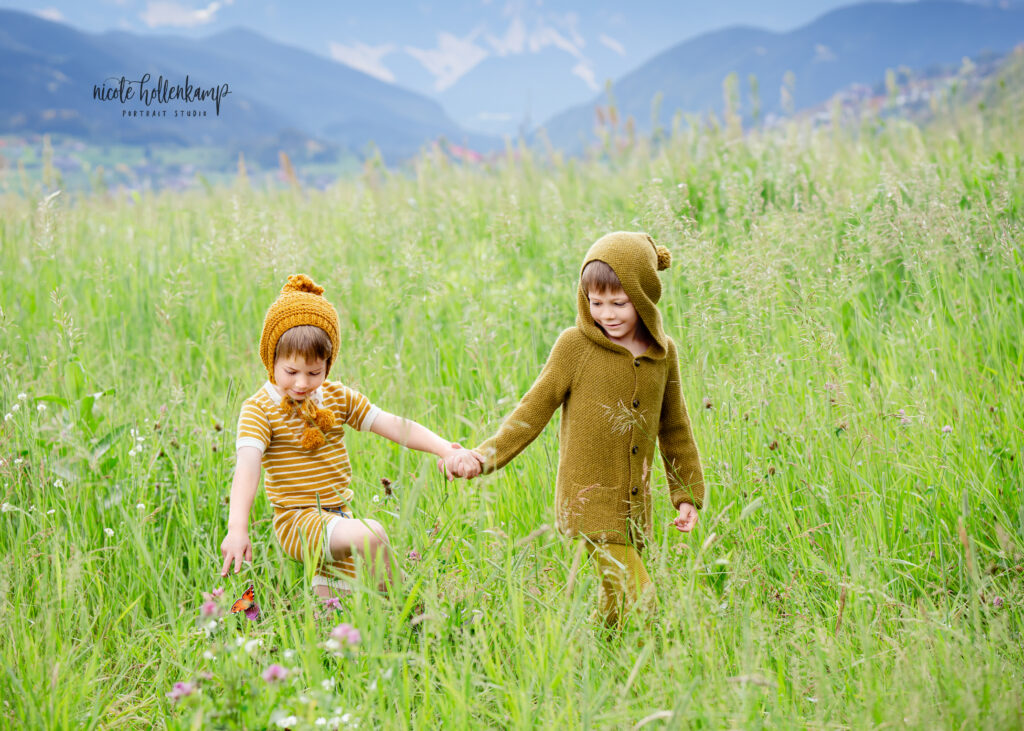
293 428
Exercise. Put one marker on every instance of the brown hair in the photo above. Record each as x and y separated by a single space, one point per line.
309 341
599 277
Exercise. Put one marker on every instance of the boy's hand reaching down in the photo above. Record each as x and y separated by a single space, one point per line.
687 518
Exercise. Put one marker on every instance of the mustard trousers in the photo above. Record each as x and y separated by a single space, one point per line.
625 583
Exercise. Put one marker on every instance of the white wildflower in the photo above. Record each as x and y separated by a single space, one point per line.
15 407
22 396
288 654
7 507
41 407
376 498
58 483
287 721
51 511
320 721
239 641
140 506
208 655
327 683
18 460
252 645
8 417
109 532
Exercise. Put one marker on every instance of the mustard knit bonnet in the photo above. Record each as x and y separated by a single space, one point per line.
636 261
301 302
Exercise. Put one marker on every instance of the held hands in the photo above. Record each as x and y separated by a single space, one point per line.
235 547
687 518
460 462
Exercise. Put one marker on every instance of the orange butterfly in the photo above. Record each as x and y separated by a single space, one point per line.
247 604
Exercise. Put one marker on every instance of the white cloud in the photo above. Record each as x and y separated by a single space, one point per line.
368 59
823 53
451 60
586 72
547 36
51 13
159 14
514 40
612 44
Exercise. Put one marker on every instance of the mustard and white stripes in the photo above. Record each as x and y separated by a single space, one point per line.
295 477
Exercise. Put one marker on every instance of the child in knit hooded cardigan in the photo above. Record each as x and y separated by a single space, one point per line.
616 378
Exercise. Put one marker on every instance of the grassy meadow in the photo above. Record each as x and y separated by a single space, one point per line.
849 310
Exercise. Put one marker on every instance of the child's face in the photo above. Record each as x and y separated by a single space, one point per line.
298 377
614 313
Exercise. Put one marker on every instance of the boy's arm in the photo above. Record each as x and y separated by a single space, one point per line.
236 546
675 439
536 407
413 435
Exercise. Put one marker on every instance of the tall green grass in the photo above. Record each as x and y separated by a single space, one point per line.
849 310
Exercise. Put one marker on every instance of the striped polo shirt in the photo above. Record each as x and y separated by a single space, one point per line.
295 477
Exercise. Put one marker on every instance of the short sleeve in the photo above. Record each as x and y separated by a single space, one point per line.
358 412
253 427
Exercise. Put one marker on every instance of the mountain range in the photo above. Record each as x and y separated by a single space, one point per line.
48 72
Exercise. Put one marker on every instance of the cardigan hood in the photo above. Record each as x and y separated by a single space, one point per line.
636 260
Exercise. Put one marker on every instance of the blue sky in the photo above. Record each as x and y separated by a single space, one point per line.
543 53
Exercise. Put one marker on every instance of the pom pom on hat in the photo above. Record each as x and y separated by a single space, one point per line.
324 419
312 438
664 257
301 283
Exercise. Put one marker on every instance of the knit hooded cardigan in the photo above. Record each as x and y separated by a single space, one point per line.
616 409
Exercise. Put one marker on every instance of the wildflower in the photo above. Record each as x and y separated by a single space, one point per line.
327 683
18 460
376 498
180 690
7 507
96 395
41 408
320 721
287 721
332 602
414 555
8 417
22 396
239 641
947 429
210 627
252 645
707 402
109 532
274 673
140 506
205 675
997 602
346 633
58 483
15 408
213 594
51 511
208 609
208 655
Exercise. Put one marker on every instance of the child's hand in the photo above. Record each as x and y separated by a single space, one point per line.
460 462
464 463
687 518
235 547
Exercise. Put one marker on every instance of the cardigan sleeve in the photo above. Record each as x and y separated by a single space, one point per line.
535 409
675 439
